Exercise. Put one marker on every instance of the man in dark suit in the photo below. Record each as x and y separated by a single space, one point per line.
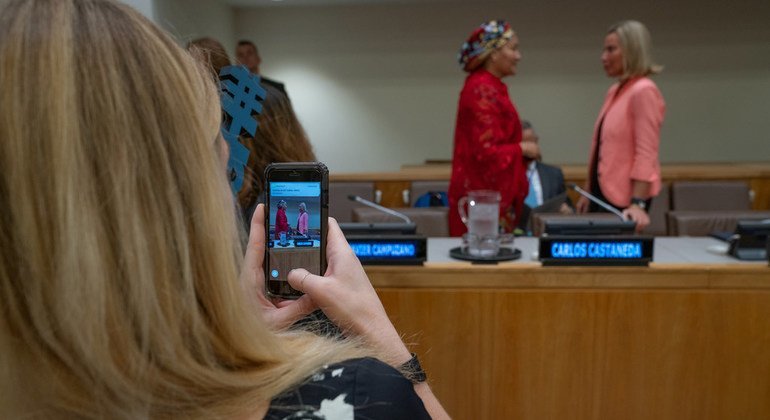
546 182
248 55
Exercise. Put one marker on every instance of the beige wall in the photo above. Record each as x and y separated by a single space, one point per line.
376 86
190 19
147 7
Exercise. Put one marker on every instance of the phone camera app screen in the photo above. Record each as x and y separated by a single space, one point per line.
294 236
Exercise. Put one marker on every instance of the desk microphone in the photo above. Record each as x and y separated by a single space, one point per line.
593 198
376 206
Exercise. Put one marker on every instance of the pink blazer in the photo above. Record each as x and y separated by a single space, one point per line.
302 223
630 140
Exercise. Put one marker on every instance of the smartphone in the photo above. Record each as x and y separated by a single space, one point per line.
297 204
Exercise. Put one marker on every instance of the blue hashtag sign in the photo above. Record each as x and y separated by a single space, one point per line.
240 94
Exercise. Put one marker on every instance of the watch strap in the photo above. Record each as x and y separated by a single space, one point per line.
639 202
413 371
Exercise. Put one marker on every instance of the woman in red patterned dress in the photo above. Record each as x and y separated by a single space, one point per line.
488 152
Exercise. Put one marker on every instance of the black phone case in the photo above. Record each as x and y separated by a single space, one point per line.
272 169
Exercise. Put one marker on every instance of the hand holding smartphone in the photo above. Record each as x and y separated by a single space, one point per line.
296 216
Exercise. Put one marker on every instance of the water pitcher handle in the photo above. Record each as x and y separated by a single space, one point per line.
461 209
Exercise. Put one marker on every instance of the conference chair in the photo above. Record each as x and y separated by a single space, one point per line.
340 207
710 195
430 221
657 212
704 223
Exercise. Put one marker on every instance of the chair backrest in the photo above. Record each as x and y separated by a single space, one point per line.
710 195
657 212
703 223
340 207
430 221
419 188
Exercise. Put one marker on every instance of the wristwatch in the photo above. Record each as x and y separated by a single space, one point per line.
413 371
639 202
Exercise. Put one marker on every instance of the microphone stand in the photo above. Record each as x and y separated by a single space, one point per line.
388 228
383 209
607 206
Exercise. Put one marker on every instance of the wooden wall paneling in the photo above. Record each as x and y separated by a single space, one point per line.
392 192
761 188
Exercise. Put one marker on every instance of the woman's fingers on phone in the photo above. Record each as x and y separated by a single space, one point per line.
338 251
251 270
288 312
335 239
302 280
257 234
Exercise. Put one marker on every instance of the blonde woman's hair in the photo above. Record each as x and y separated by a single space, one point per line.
119 259
636 44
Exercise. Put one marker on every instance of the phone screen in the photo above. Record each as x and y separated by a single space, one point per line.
296 232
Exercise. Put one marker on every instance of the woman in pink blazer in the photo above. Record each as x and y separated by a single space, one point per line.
624 169
302 219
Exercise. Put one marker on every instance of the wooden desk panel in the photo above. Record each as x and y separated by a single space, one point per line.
666 342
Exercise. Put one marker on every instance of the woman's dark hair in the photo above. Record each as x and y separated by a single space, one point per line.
280 138
211 52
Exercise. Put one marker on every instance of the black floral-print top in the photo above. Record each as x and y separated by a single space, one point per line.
354 389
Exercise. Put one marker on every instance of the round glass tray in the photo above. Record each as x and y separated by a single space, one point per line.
503 254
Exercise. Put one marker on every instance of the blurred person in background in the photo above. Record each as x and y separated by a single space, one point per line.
624 168
545 181
211 53
280 138
247 54
488 152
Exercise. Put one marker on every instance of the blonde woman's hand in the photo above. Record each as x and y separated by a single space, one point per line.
277 314
347 297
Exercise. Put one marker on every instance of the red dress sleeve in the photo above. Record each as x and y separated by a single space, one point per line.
487 151
281 223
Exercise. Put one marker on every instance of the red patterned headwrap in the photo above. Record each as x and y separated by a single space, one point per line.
487 37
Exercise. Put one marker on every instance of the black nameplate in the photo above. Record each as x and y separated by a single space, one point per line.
596 250
389 249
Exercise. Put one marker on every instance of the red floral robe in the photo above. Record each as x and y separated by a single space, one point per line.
487 150
281 223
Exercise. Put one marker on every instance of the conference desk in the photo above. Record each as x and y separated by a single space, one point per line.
686 338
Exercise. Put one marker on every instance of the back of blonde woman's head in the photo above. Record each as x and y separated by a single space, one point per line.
636 44
119 290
